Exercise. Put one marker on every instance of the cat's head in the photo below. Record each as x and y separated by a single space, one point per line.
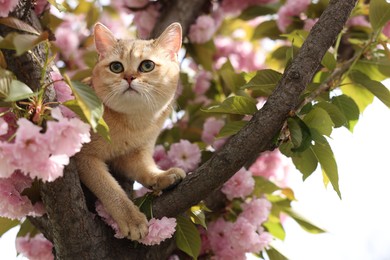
135 76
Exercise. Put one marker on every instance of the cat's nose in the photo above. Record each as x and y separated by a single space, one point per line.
129 78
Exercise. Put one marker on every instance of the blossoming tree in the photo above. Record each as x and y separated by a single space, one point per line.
262 81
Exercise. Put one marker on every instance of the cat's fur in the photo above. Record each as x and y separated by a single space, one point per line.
136 105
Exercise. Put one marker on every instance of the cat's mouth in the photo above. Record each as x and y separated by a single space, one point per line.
130 89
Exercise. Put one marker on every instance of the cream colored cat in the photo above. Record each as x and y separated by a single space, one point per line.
136 80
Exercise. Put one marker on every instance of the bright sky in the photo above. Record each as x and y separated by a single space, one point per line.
358 225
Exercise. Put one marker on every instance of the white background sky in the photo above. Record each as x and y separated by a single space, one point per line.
358 225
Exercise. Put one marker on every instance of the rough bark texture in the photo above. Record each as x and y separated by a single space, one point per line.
74 230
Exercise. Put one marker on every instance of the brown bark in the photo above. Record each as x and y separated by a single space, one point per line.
78 235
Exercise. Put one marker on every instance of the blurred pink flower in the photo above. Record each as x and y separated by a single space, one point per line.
234 7
161 158
67 41
202 82
241 54
288 10
359 20
159 230
273 166
240 185
256 211
3 126
145 20
41 6
185 155
63 92
7 6
14 205
386 29
218 233
211 128
203 29
34 248
101 211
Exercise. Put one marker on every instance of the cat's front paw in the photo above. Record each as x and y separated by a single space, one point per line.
132 223
169 179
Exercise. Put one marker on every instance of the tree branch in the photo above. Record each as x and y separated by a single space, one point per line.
258 134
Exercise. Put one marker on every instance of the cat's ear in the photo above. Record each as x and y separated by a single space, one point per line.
104 39
170 40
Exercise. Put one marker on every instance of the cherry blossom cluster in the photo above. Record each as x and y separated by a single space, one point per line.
35 248
159 229
183 154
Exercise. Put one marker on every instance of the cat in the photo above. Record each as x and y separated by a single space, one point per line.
136 80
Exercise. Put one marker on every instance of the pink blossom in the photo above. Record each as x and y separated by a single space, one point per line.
241 54
63 93
219 233
288 10
240 185
14 205
141 192
135 3
161 158
66 135
386 29
145 20
67 41
185 155
256 211
309 23
101 211
202 82
203 29
3 126
10 120
41 6
211 128
159 230
35 248
234 6
273 166
359 20
7 6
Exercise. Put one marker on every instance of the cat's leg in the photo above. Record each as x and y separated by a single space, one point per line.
141 167
94 174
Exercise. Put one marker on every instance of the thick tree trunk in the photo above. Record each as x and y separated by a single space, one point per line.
77 234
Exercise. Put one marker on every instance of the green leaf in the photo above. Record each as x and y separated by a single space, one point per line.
6 78
231 79
304 223
27 228
187 237
375 87
264 82
328 61
299 133
231 128
144 203
306 162
348 107
90 105
238 105
334 112
18 91
360 95
275 229
378 69
25 42
325 157
102 128
266 29
274 254
320 120
6 224
255 11
203 54
197 214
263 186
18 24
379 13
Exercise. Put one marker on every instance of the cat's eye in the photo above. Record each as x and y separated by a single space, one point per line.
146 66
116 67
